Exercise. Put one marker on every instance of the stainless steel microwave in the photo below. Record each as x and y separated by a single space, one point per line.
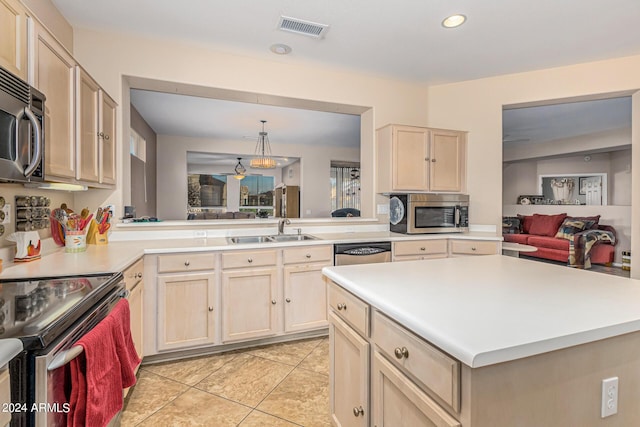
428 213
21 130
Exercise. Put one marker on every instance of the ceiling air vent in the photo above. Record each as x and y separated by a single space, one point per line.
299 26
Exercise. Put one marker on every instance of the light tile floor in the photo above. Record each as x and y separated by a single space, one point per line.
280 385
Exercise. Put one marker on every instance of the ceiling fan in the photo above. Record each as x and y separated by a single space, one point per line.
239 172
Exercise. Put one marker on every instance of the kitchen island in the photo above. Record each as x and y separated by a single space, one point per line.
482 341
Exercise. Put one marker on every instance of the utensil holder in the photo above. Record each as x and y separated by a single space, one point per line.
75 241
101 239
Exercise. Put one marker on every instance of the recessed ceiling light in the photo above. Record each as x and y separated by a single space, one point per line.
453 21
280 49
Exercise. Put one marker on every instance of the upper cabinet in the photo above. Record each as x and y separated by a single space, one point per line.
414 158
54 75
87 129
13 37
107 137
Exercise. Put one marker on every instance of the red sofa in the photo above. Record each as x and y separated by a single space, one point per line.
542 236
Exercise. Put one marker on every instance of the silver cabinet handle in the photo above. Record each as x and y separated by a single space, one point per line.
473 248
106 136
210 308
341 306
187 263
249 260
288 300
273 302
433 160
308 256
139 275
426 159
357 411
401 353
423 249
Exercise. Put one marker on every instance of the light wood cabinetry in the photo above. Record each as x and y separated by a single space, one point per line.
54 75
13 37
5 394
459 247
420 249
348 375
397 401
305 291
414 158
250 299
107 136
133 277
186 301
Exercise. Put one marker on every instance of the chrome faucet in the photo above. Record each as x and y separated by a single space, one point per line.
281 224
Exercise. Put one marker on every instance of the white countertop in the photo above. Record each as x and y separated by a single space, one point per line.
490 309
9 348
117 255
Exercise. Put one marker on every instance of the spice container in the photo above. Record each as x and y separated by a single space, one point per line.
626 260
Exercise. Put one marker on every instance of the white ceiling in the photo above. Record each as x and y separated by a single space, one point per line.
399 39
403 40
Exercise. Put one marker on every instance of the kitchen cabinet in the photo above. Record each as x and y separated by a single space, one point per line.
186 301
348 375
133 277
54 75
5 394
250 298
420 249
305 291
13 37
412 158
459 247
95 131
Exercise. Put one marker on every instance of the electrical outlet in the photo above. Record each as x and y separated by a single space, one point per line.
7 214
609 397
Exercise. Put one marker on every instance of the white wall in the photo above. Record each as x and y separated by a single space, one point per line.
315 188
110 56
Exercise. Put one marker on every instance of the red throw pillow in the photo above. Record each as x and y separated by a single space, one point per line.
525 223
546 225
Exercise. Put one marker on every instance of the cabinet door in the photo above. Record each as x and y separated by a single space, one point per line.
186 315
54 75
249 303
87 89
348 375
135 307
107 138
305 296
13 37
399 402
410 158
447 160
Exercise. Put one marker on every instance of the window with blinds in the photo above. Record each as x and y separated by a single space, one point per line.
345 185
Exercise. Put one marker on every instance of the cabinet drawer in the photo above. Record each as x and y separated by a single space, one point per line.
249 259
307 254
473 247
420 247
397 258
133 274
349 308
185 262
430 366
398 401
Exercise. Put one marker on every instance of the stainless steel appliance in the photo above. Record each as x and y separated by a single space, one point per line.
50 315
21 130
428 213
361 253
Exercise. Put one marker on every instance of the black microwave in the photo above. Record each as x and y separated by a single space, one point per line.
21 130
428 213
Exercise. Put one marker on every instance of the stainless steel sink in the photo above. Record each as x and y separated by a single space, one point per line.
250 239
292 237
271 239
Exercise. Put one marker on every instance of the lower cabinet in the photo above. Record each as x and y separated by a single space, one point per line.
185 310
349 375
249 303
305 296
135 285
463 247
397 401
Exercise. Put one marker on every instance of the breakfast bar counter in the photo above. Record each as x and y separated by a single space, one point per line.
488 341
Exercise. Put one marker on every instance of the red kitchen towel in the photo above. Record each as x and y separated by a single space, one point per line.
127 354
96 394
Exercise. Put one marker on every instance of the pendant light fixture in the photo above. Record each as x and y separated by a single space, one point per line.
263 159
239 170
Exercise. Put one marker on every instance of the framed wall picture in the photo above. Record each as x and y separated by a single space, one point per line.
582 185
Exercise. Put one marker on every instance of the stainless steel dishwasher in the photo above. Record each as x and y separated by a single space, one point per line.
362 253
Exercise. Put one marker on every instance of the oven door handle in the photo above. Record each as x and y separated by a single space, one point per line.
65 357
